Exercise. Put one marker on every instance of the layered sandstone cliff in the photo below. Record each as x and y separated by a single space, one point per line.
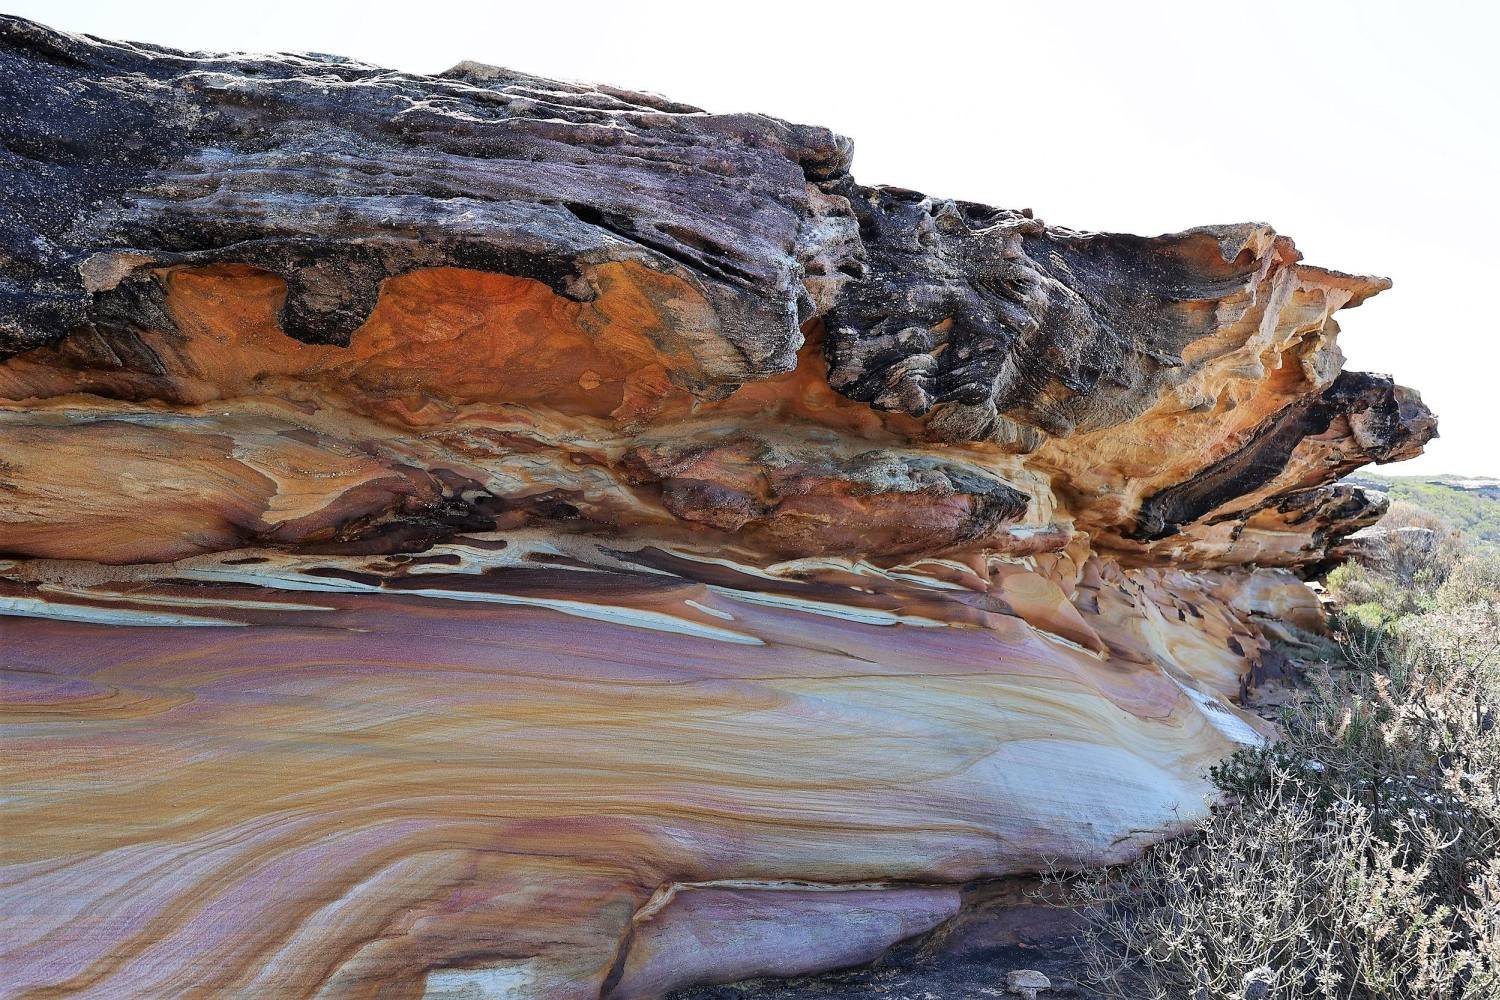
481 536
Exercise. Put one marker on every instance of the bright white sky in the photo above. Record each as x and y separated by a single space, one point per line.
1369 131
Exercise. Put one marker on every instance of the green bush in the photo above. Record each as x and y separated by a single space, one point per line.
1358 858
1473 581
1411 573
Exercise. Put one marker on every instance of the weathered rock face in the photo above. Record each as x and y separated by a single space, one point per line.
475 534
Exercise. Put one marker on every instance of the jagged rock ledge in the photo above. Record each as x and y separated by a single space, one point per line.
475 533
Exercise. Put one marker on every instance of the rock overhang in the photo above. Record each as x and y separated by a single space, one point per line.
573 488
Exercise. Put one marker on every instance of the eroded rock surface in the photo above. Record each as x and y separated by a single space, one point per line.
476 535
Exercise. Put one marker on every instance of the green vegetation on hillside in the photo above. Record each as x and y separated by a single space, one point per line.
1469 506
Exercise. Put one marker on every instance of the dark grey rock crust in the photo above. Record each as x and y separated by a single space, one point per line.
335 175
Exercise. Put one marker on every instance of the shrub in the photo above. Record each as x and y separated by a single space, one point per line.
1416 549
1409 572
1474 581
1358 858
1373 598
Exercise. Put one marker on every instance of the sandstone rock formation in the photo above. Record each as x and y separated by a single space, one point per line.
482 536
